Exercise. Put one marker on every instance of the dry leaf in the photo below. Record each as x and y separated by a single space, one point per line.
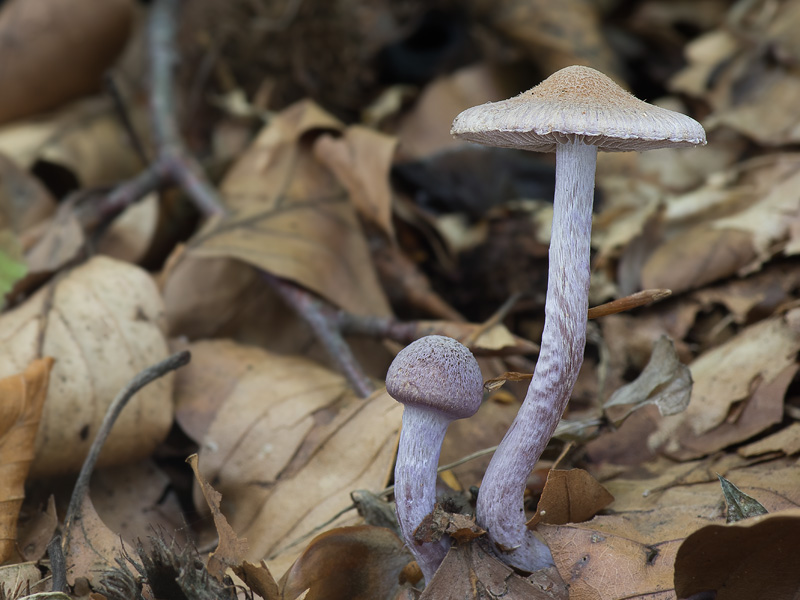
258 579
729 374
130 235
753 558
21 400
665 382
90 547
24 201
570 496
87 138
231 549
599 566
786 440
470 572
290 217
102 322
38 531
17 580
357 563
552 34
296 429
56 51
361 160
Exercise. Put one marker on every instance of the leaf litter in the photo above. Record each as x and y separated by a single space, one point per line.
675 397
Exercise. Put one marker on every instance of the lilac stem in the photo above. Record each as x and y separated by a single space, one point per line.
500 508
415 481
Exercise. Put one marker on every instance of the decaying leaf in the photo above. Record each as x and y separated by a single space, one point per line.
665 382
753 558
358 563
61 50
740 505
21 401
90 547
361 160
38 531
231 549
469 571
287 444
756 365
570 496
289 216
103 323
258 579
21 579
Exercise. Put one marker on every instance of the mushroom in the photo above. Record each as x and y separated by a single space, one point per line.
438 380
575 112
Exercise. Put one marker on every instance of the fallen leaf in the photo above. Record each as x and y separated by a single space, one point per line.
23 398
38 531
665 382
290 217
231 549
85 138
258 579
90 547
570 496
55 64
357 563
786 440
20 579
753 558
24 201
103 323
12 267
598 565
740 505
288 443
470 572
130 235
361 159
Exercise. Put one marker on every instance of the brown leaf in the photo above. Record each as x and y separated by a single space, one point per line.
231 549
89 545
83 138
357 563
24 201
297 430
53 64
38 531
258 579
786 440
600 566
102 322
728 375
22 399
361 160
17 579
439 523
469 572
753 558
570 496
290 217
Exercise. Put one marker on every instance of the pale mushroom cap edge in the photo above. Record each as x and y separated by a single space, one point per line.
577 102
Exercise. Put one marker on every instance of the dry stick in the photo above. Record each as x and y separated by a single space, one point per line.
58 564
628 302
150 374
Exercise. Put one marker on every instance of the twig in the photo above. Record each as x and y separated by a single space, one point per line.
58 565
628 302
151 373
312 310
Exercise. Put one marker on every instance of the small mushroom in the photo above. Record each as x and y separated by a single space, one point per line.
438 380
575 112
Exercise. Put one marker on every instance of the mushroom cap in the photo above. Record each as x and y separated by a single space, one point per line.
577 102
437 373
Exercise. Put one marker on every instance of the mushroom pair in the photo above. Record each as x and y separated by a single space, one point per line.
575 112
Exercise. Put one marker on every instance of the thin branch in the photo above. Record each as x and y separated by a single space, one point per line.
146 376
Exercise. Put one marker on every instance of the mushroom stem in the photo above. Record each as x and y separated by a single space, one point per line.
500 507
415 481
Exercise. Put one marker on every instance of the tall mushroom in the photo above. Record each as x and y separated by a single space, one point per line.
575 112
438 380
